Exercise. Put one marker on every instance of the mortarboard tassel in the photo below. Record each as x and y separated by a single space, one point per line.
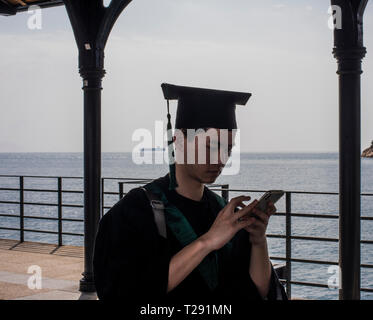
171 152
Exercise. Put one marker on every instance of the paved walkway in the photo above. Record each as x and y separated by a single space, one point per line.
36 271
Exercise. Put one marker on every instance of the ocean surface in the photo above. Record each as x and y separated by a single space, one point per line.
257 171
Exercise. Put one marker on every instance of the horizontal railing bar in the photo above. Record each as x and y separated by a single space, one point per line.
9 189
28 217
44 204
305 215
9 215
134 182
366 241
302 238
29 230
320 285
316 261
140 179
72 234
268 235
288 191
9 202
309 215
311 284
111 193
42 177
54 191
71 205
367 218
41 190
72 220
54 232
278 258
306 260
314 238
72 191
314 215
9 228
54 219
318 215
271 235
32 203
150 179
41 218
43 231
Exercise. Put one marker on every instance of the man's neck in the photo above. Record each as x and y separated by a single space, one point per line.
187 186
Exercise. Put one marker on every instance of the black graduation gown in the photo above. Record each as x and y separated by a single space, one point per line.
131 260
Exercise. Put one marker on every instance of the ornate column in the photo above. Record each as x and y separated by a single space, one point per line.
349 52
92 23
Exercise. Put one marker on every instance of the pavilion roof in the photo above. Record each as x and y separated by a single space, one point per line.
11 7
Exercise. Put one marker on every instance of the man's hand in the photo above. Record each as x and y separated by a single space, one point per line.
227 222
258 228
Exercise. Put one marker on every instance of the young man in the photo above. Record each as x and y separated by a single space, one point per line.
208 250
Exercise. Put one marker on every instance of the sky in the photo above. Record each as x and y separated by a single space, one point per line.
280 51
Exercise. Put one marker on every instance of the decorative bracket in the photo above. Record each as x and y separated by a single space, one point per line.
92 22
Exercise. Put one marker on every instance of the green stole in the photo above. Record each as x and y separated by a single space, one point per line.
185 234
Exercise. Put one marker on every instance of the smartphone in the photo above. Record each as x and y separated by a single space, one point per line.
272 195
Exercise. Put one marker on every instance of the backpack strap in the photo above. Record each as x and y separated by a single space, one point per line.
184 233
158 212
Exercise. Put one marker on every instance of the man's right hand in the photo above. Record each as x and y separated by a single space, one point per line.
226 224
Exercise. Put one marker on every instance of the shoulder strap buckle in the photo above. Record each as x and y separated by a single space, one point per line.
158 212
157 204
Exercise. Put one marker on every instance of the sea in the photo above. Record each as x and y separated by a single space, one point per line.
257 172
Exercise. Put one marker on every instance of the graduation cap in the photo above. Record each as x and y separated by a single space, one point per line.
200 108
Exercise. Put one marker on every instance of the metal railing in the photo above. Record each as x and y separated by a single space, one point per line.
222 188
21 190
288 237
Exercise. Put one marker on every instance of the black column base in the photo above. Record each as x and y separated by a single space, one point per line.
87 284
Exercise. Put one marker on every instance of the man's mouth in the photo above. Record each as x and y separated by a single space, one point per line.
214 171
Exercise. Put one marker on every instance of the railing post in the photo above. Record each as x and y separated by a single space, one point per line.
288 244
121 193
21 210
225 193
59 211
102 196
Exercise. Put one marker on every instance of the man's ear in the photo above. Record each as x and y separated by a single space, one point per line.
178 140
174 142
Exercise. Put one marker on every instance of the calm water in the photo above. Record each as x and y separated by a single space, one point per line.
291 172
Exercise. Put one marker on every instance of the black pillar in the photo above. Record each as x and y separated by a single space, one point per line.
349 52
92 23
92 79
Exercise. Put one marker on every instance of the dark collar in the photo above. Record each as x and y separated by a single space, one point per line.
164 183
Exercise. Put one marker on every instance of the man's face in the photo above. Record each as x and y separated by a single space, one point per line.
205 153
